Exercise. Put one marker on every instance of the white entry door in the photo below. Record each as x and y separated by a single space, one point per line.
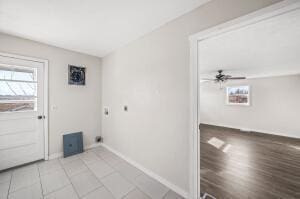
21 111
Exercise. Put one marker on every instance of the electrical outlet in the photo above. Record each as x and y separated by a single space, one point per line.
106 111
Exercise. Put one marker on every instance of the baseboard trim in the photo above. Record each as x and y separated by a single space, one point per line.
160 179
61 154
92 146
242 129
55 155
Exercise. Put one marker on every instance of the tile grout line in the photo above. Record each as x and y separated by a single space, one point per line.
91 191
104 176
69 178
115 171
135 186
113 167
56 189
89 171
150 176
40 180
164 196
9 184
93 172
93 175
141 189
54 171
26 186
118 171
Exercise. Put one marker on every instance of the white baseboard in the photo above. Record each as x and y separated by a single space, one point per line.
92 146
55 155
160 179
61 154
243 129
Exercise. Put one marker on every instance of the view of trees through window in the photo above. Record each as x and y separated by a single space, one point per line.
18 89
238 95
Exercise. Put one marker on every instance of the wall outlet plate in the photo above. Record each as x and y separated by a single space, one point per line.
106 111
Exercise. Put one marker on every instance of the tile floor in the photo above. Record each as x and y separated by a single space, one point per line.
94 174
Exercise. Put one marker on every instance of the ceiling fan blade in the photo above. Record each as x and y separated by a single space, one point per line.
204 81
207 79
233 78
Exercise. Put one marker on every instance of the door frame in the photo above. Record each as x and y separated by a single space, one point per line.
46 92
194 135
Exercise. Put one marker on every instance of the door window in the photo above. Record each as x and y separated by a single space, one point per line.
18 89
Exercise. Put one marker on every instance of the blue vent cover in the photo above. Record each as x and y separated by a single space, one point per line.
73 144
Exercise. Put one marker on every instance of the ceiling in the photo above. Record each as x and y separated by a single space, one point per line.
95 27
268 48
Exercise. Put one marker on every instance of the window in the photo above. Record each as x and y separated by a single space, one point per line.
18 89
238 95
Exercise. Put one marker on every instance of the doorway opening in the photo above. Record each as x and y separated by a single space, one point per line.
208 82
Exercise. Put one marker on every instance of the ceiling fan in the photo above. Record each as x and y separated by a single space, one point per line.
222 78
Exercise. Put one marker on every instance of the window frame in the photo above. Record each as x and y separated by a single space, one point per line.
238 104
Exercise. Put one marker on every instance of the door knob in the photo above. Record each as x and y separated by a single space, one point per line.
41 117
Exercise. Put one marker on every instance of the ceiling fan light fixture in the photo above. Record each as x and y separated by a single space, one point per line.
221 84
221 78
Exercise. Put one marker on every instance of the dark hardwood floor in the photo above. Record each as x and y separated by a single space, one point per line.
240 165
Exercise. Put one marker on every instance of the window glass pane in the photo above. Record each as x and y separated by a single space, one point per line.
18 89
8 88
21 74
5 90
238 95
11 107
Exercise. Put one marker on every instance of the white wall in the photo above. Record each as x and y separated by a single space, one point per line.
151 76
78 107
274 106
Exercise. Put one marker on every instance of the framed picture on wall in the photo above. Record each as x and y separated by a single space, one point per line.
238 95
76 75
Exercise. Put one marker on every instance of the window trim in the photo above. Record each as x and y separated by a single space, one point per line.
238 104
